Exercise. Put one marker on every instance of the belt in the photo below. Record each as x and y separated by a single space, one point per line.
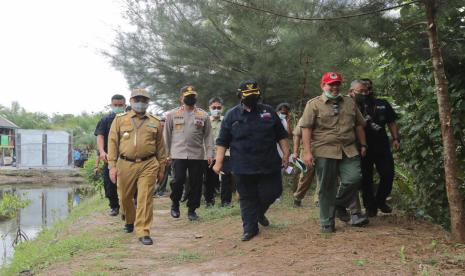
137 160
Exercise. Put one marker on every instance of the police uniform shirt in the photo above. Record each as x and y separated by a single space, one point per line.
103 128
381 113
188 134
136 137
251 138
332 133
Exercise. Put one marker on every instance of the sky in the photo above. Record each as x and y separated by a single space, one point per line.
50 57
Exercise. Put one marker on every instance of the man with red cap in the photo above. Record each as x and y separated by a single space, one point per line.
331 126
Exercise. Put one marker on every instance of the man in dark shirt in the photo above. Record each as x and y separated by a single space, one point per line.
378 113
118 105
251 130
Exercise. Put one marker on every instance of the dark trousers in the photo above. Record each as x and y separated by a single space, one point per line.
161 189
110 188
257 192
384 164
196 170
212 181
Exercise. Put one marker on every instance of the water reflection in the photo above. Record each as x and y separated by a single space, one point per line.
49 204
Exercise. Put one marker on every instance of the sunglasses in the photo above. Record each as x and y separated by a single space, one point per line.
246 94
216 108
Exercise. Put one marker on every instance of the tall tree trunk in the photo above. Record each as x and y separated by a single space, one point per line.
456 200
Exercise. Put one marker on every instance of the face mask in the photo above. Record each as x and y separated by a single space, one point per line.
118 109
251 101
331 97
282 116
215 112
139 107
190 100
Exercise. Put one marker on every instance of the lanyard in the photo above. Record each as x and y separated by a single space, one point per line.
136 128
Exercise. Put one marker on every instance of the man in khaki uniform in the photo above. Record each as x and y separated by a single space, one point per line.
136 158
188 139
330 125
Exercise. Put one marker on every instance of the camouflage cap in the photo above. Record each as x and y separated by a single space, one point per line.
140 92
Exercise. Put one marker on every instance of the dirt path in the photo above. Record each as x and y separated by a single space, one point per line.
292 245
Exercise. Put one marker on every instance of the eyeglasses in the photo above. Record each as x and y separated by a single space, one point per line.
246 94
216 108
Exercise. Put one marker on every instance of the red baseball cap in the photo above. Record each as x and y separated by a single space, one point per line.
331 77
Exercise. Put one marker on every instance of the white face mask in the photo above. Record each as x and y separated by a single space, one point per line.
282 116
139 106
215 112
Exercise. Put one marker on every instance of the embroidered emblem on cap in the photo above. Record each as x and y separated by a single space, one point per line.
249 86
189 89
333 76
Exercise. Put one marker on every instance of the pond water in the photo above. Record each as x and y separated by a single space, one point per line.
49 204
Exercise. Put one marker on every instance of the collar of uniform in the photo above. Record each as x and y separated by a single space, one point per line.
183 107
133 114
325 99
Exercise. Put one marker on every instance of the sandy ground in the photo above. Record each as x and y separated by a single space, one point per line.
291 245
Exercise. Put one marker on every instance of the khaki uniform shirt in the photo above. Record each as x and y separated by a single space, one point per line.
136 137
216 126
332 134
188 134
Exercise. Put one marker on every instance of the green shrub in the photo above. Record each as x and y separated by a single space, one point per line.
11 203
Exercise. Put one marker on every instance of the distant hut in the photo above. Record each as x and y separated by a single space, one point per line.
7 141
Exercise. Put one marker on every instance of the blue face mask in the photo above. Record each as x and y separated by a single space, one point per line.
117 109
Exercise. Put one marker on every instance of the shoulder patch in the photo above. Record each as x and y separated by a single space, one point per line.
121 114
155 117
313 99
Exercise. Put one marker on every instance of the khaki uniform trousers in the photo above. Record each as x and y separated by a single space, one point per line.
140 175
305 181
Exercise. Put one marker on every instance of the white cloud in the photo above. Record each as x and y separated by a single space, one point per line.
49 54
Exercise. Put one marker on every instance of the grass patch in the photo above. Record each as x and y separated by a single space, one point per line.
52 245
217 212
186 256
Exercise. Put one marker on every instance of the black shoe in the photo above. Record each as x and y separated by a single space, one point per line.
385 208
175 212
358 220
128 228
114 212
372 212
342 214
263 221
328 229
146 240
297 203
247 236
192 215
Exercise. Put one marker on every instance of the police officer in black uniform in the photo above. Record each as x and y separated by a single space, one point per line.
378 113
118 105
251 130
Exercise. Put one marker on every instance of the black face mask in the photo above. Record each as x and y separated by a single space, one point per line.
251 101
190 100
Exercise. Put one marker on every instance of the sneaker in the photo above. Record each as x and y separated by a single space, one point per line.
342 214
358 220
114 212
297 203
385 208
